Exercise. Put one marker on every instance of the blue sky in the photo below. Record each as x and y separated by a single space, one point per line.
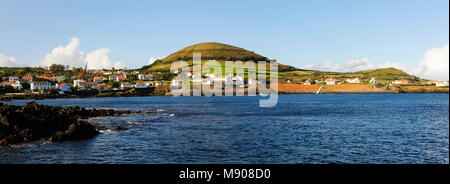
297 33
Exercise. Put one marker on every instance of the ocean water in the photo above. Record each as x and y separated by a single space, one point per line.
344 128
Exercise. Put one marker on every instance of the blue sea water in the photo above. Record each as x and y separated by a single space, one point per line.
344 128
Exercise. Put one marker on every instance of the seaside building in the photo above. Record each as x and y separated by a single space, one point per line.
373 80
145 76
27 78
41 85
353 81
63 87
140 85
76 82
16 85
442 83
330 81
87 85
126 86
400 82
13 78
99 79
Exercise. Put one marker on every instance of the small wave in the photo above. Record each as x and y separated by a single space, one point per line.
134 123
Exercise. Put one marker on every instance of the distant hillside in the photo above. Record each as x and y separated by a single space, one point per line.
388 74
383 75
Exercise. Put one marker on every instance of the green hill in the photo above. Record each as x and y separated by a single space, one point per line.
211 51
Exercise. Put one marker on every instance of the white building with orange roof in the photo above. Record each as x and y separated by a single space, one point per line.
13 78
442 83
64 87
330 81
27 78
145 76
16 85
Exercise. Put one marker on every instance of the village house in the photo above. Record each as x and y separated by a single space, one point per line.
99 79
27 78
145 76
307 82
13 78
373 80
121 78
76 82
87 85
126 86
63 88
16 85
400 82
48 72
140 85
353 81
113 77
330 81
41 85
104 87
442 83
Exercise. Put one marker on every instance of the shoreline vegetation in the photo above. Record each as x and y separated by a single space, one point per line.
283 89
33 122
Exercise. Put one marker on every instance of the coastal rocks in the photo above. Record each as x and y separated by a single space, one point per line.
76 131
32 122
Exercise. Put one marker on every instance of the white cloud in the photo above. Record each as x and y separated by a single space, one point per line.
65 55
434 64
71 55
6 61
351 65
99 59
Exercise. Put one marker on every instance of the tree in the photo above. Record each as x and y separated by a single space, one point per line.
57 67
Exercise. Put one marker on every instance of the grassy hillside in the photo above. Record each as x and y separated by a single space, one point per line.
211 51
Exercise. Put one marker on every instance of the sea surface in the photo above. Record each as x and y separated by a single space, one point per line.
344 128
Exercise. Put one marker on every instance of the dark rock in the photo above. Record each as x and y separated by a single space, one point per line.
33 122
119 128
76 131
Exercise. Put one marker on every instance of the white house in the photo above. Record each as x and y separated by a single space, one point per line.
87 85
330 81
400 82
13 78
16 85
76 82
442 83
373 80
38 85
145 76
353 81
124 86
140 85
118 78
113 77
99 79
27 78
64 87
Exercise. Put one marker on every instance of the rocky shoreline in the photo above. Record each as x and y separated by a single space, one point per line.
21 124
